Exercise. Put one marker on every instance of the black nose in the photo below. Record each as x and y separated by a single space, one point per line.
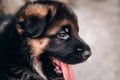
85 53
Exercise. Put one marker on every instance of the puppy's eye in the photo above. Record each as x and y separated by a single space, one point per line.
63 36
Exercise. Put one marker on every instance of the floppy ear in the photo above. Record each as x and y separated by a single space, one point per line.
34 19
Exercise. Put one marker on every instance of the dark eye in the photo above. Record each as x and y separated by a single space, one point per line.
65 32
63 35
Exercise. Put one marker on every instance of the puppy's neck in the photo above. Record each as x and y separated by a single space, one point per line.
38 67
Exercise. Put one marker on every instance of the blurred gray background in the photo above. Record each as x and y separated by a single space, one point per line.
99 22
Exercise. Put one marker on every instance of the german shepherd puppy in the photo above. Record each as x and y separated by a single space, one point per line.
37 39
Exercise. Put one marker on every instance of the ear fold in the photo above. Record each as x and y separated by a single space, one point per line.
33 26
33 19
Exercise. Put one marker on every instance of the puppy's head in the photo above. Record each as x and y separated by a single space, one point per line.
50 29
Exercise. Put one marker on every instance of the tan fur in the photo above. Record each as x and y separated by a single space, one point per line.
38 46
19 29
36 10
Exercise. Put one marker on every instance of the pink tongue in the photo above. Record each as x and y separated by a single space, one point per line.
66 69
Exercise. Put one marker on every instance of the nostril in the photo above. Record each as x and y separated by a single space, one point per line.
86 54
79 50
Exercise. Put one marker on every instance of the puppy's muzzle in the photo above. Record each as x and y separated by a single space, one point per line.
82 50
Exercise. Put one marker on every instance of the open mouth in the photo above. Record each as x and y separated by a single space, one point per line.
56 69
63 68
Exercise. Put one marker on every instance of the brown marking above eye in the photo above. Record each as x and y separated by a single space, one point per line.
57 26
38 46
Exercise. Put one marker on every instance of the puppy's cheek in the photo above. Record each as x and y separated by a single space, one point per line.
38 46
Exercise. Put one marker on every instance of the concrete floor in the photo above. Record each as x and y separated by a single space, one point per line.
99 22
